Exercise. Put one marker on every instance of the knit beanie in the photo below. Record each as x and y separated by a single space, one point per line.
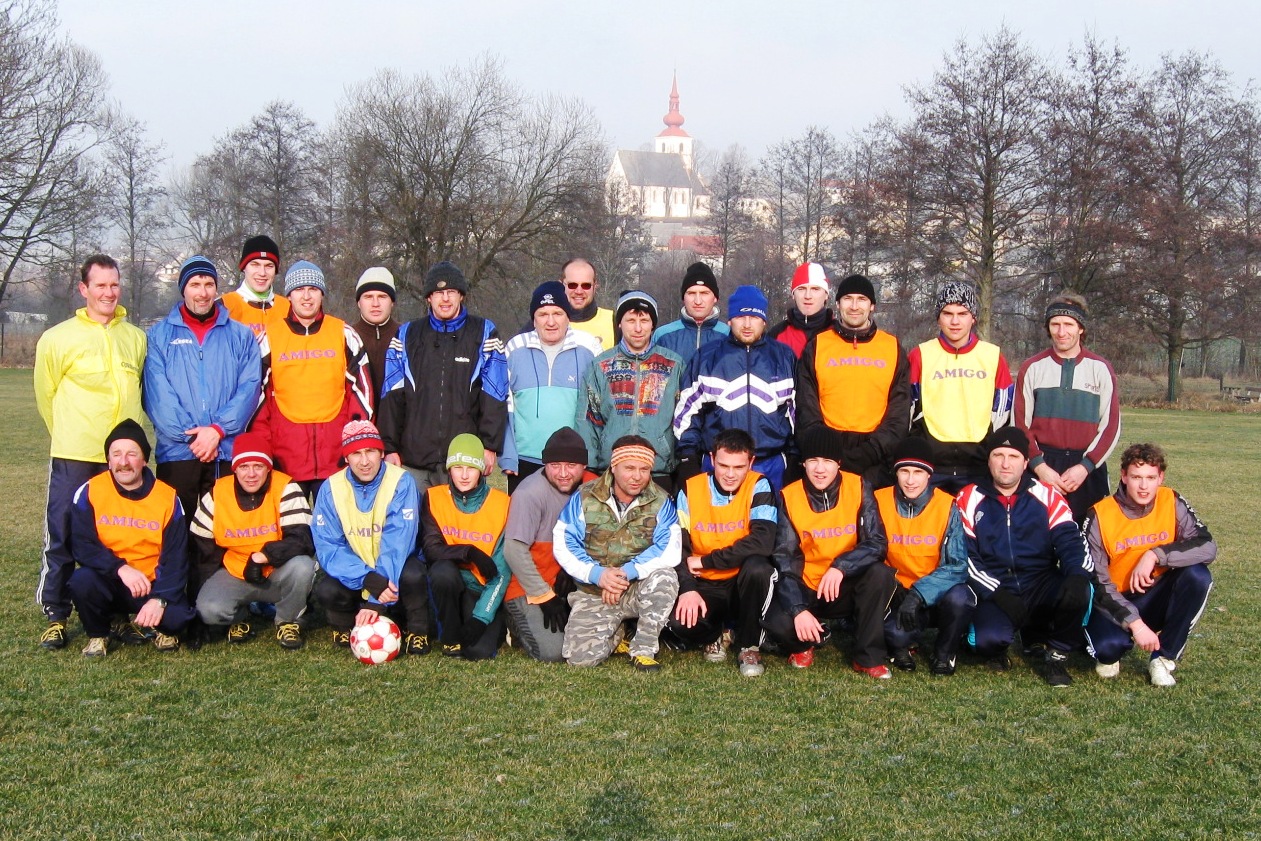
251 448
445 275
810 274
699 274
550 294
819 442
361 435
1064 306
194 266
129 430
856 284
259 248
466 448
747 300
959 293
1011 437
565 445
638 301
376 279
913 451
303 273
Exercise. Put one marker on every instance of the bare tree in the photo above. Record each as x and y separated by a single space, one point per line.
135 198
801 177
731 194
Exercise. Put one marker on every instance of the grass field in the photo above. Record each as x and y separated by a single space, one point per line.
254 742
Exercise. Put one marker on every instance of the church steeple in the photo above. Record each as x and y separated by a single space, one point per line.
673 119
673 139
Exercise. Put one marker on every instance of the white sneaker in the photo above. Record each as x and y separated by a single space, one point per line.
716 651
1108 670
1160 669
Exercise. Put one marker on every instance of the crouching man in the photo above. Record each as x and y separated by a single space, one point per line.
253 534
365 537
129 540
619 539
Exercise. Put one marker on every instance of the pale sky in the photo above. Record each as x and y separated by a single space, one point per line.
749 72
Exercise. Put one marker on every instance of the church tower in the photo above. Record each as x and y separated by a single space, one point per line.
673 139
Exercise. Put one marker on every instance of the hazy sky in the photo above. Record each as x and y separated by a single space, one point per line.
749 72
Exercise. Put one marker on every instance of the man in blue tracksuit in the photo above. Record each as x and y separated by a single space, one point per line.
743 381
201 386
1027 562
699 322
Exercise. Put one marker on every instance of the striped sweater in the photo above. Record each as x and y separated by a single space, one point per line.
1068 404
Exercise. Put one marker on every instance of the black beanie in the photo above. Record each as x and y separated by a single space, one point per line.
856 284
819 442
259 247
129 430
699 274
445 275
1008 436
565 445
913 451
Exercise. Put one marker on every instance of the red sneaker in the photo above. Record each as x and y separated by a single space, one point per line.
880 672
802 659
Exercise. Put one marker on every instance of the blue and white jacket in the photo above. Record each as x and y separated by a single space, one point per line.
541 397
685 335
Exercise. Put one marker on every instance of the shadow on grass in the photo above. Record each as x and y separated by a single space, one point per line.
617 812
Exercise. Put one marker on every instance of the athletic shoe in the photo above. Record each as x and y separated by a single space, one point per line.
880 672
1036 650
129 633
96 647
1108 671
165 642
999 663
622 647
1160 670
241 632
902 660
645 663
289 635
453 649
1056 671
341 639
54 636
716 651
802 659
750 660
416 644
943 668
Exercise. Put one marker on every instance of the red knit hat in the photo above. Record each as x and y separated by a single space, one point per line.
360 435
250 448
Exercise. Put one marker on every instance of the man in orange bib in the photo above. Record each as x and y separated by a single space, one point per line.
128 536
1152 580
255 303
929 556
727 520
828 550
462 538
253 530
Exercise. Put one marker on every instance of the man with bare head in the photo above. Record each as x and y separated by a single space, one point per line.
578 277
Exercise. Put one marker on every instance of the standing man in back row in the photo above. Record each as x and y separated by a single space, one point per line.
700 322
254 303
578 275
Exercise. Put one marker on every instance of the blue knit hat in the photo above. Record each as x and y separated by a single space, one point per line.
303 273
194 266
747 300
550 294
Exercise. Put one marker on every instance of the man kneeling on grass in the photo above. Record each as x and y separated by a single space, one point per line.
727 520
1151 555
619 539
129 540
462 537
365 537
828 550
253 533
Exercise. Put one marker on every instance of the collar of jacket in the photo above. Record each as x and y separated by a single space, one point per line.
809 323
864 335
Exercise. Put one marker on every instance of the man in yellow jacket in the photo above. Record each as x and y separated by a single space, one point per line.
87 380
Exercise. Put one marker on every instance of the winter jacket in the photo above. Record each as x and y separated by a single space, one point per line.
541 397
376 340
435 547
797 329
685 335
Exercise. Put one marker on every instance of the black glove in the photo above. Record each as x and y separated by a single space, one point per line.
555 613
375 583
482 561
1011 604
1070 607
472 631
908 611
254 574
689 466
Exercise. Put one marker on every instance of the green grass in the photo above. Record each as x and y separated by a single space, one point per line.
254 742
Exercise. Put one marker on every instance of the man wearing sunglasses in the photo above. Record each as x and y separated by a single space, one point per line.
578 276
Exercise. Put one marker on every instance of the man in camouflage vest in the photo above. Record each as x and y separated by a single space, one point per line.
618 537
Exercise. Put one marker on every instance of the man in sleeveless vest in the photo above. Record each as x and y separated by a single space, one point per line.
253 530
128 536
1027 562
961 389
829 549
87 379
537 601
1067 403
315 381
727 521
578 277
853 382
699 322
618 537
809 314
929 558
462 539
1152 580
255 303
445 373
365 529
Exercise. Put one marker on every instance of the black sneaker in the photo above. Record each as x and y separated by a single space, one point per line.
341 639
129 633
453 649
54 636
1056 672
289 635
416 644
943 668
240 632
999 663
902 660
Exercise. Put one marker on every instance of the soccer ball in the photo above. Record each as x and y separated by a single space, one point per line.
378 642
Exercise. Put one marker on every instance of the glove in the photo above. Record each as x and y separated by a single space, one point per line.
1070 608
482 561
563 585
555 614
472 632
254 574
1011 604
908 611
375 583
689 466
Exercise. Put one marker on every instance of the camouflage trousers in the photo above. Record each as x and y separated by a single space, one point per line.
590 635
